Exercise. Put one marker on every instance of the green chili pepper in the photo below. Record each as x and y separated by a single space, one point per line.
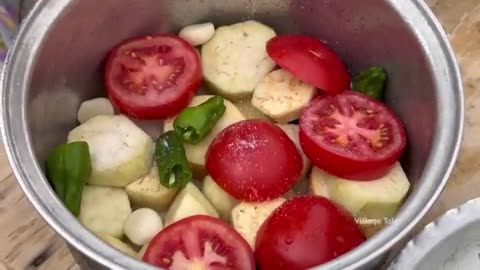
68 168
371 82
195 123
171 160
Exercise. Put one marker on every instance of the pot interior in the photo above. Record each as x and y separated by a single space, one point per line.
69 66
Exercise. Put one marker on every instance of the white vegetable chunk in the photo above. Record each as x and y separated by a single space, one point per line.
379 198
235 59
247 217
118 244
142 251
94 107
120 151
281 96
189 202
318 184
220 199
371 202
104 210
197 34
292 131
148 192
142 225
301 186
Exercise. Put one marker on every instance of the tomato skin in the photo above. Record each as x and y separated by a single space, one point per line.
254 160
163 107
348 165
310 60
304 232
183 236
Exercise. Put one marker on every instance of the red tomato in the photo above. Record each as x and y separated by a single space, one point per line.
311 61
351 136
199 242
304 232
254 160
152 77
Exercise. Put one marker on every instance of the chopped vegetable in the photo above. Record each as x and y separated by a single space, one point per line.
148 192
317 184
373 203
371 82
292 131
301 185
235 59
118 244
142 225
171 160
375 199
120 151
193 124
141 253
94 107
247 217
197 34
219 198
189 202
281 96
104 210
68 169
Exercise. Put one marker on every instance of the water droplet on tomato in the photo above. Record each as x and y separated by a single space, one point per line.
288 240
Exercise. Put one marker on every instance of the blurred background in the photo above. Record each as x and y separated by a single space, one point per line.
11 14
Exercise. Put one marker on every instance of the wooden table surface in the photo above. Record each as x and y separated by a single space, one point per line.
26 242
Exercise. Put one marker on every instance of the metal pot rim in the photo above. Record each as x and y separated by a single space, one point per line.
446 145
443 229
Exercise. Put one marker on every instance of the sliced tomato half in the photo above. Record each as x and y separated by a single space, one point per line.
351 136
199 242
305 232
152 77
254 160
310 60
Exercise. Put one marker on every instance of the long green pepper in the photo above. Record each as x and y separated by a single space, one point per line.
171 160
371 82
193 124
68 169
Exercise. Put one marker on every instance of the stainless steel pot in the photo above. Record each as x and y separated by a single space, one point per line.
57 59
